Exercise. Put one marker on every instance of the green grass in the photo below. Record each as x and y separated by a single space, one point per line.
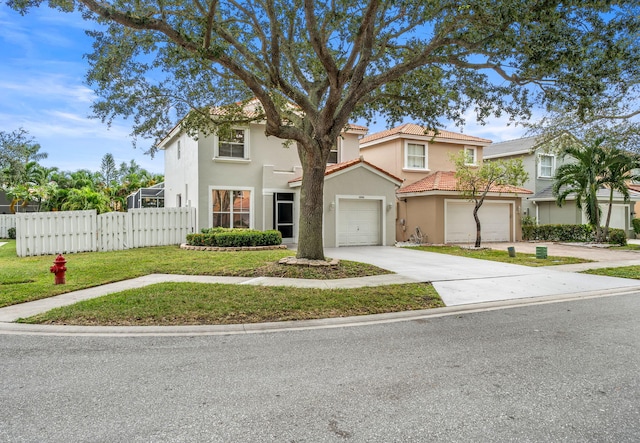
624 272
197 304
629 247
28 278
502 256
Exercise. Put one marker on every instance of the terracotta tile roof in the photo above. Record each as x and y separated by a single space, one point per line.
332 169
446 181
413 129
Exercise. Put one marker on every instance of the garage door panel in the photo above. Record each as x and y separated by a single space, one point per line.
618 216
495 221
359 223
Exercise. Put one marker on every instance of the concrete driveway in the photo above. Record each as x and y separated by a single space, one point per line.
461 280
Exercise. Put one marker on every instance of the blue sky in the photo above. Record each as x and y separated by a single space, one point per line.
42 89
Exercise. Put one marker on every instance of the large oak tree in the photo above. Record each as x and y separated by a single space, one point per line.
334 60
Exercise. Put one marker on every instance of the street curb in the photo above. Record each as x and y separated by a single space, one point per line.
302 325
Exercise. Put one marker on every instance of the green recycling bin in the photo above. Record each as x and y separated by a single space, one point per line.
541 252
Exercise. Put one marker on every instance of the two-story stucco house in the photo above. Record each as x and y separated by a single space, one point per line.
541 161
246 179
430 196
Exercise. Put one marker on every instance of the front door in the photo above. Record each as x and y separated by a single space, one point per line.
283 216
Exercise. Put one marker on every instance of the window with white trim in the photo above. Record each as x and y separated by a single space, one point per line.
333 155
231 208
232 143
415 156
470 157
546 165
179 149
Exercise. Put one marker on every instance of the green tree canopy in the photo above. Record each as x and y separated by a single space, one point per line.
475 182
17 151
315 64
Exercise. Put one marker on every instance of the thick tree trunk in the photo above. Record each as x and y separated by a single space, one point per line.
311 207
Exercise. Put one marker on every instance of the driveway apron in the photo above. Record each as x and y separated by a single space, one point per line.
462 280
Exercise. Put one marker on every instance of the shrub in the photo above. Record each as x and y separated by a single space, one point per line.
528 227
12 233
232 238
581 233
570 233
636 225
617 237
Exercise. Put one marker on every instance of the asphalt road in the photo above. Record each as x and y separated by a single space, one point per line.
557 372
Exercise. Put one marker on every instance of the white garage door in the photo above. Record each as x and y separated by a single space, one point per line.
495 222
618 216
359 223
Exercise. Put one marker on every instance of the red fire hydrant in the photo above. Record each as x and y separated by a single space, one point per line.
59 269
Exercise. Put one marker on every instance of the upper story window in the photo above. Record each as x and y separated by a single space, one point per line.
232 144
470 156
415 156
546 165
179 150
333 154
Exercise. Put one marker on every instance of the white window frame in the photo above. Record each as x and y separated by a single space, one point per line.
474 155
337 149
216 147
553 165
406 156
231 189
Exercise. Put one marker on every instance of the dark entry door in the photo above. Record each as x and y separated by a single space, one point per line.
283 204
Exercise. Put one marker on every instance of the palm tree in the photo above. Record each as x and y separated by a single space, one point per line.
596 166
621 167
582 179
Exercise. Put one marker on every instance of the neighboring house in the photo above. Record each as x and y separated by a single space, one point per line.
540 162
430 198
251 180
5 205
151 197
635 188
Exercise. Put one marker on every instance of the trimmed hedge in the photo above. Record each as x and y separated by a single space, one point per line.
230 238
570 233
636 225
12 233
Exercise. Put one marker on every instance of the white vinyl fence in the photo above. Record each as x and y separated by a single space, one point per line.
41 233
7 221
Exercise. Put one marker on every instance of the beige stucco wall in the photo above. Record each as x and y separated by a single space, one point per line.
390 156
359 182
348 147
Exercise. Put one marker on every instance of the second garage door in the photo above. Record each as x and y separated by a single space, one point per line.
495 221
359 223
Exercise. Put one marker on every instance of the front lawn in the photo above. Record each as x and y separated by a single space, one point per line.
28 278
502 256
199 304
624 272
